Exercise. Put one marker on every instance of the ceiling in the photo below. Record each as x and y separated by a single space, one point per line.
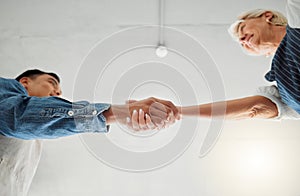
104 51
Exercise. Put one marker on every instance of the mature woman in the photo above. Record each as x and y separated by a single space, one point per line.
266 32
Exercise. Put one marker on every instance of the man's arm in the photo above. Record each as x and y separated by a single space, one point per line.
249 107
52 117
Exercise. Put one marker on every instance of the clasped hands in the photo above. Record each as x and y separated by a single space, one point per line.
147 114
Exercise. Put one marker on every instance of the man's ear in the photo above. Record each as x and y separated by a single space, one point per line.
25 82
268 15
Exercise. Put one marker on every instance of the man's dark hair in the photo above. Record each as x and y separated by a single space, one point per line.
34 73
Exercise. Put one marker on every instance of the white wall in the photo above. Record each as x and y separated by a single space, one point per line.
251 157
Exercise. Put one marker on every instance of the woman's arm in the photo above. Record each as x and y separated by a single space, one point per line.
249 107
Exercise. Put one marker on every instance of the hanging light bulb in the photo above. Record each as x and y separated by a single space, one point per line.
161 51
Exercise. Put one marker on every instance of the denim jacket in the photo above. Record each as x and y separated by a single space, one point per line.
26 117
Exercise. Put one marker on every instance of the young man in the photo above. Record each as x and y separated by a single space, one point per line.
30 108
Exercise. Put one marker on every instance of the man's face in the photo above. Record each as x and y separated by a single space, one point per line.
41 86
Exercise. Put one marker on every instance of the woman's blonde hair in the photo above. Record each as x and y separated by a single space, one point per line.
277 19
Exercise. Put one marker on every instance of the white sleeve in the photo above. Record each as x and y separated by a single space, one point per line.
284 111
293 13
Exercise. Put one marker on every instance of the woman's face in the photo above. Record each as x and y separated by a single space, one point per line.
255 35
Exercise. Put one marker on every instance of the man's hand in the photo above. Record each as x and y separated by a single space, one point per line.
151 113
140 121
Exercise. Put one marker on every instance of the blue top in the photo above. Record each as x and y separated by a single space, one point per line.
25 117
285 69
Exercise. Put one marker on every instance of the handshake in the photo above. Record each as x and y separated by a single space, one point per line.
153 113
142 115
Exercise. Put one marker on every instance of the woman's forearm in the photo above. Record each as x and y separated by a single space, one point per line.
249 107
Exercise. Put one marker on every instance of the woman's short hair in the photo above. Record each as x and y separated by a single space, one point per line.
32 73
278 19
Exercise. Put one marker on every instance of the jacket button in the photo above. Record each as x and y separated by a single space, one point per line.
94 112
70 113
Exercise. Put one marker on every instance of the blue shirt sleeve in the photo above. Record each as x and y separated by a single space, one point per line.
25 117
